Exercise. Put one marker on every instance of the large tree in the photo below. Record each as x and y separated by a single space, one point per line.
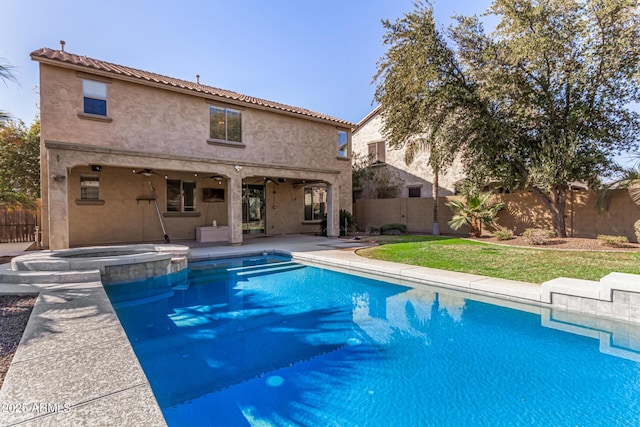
19 163
541 102
414 76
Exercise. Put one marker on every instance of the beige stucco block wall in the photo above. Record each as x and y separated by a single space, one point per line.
284 210
126 212
415 213
522 210
160 128
416 174
165 121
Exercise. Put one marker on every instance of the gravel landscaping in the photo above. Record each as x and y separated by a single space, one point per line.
568 243
14 314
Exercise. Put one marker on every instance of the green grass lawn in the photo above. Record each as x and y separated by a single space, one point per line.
525 265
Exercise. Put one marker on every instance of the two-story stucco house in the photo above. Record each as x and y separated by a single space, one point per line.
133 156
417 178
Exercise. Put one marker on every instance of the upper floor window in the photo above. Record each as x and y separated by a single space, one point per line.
315 203
343 144
94 97
226 124
89 187
181 196
377 152
415 192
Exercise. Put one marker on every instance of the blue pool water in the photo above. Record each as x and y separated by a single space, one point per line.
285 344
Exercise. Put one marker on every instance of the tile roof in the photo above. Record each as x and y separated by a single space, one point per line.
50 55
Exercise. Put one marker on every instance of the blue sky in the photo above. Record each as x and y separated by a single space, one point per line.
319 55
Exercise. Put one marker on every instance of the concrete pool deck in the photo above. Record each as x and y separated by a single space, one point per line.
75 365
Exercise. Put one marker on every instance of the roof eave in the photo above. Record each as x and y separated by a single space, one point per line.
368 117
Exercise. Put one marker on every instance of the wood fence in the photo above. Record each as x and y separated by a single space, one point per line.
17 225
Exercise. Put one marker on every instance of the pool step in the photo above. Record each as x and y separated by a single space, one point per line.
221 263
222 274
261 266
205 275
214 276
181 286
269 270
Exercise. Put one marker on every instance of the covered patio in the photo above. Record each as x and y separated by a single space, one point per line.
112 196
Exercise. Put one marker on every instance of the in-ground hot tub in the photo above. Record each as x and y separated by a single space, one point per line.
126 263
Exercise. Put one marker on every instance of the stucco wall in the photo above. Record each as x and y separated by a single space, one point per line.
523 210
154 125
126 217
156 120
415 213
418 173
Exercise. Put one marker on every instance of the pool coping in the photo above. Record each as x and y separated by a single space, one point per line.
74 364
73 327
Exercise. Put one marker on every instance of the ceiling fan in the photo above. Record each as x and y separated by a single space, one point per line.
276 181
145 172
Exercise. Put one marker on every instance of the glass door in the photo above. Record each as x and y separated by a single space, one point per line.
253 209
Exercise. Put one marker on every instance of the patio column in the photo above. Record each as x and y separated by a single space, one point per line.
58 189
333 210
234 209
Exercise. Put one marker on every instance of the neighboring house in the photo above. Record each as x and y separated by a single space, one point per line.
116 140
367 140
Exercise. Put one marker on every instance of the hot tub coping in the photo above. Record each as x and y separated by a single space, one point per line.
80 259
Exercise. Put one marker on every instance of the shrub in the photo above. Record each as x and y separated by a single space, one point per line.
636 228
613 241
347 223
476 210
375 180
393 229
538 236
503 234
372 230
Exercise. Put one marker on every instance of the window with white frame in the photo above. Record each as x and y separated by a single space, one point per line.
315 203
343 143
181 196
94 97
225 124
89 187
377 152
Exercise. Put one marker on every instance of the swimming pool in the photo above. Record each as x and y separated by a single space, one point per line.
265 341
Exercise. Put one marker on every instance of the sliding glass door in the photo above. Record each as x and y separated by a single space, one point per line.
253 209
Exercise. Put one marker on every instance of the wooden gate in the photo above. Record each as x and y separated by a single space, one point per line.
17 225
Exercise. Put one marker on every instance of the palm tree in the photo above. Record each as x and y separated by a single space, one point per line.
475 211
6 75
437 159
630 180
